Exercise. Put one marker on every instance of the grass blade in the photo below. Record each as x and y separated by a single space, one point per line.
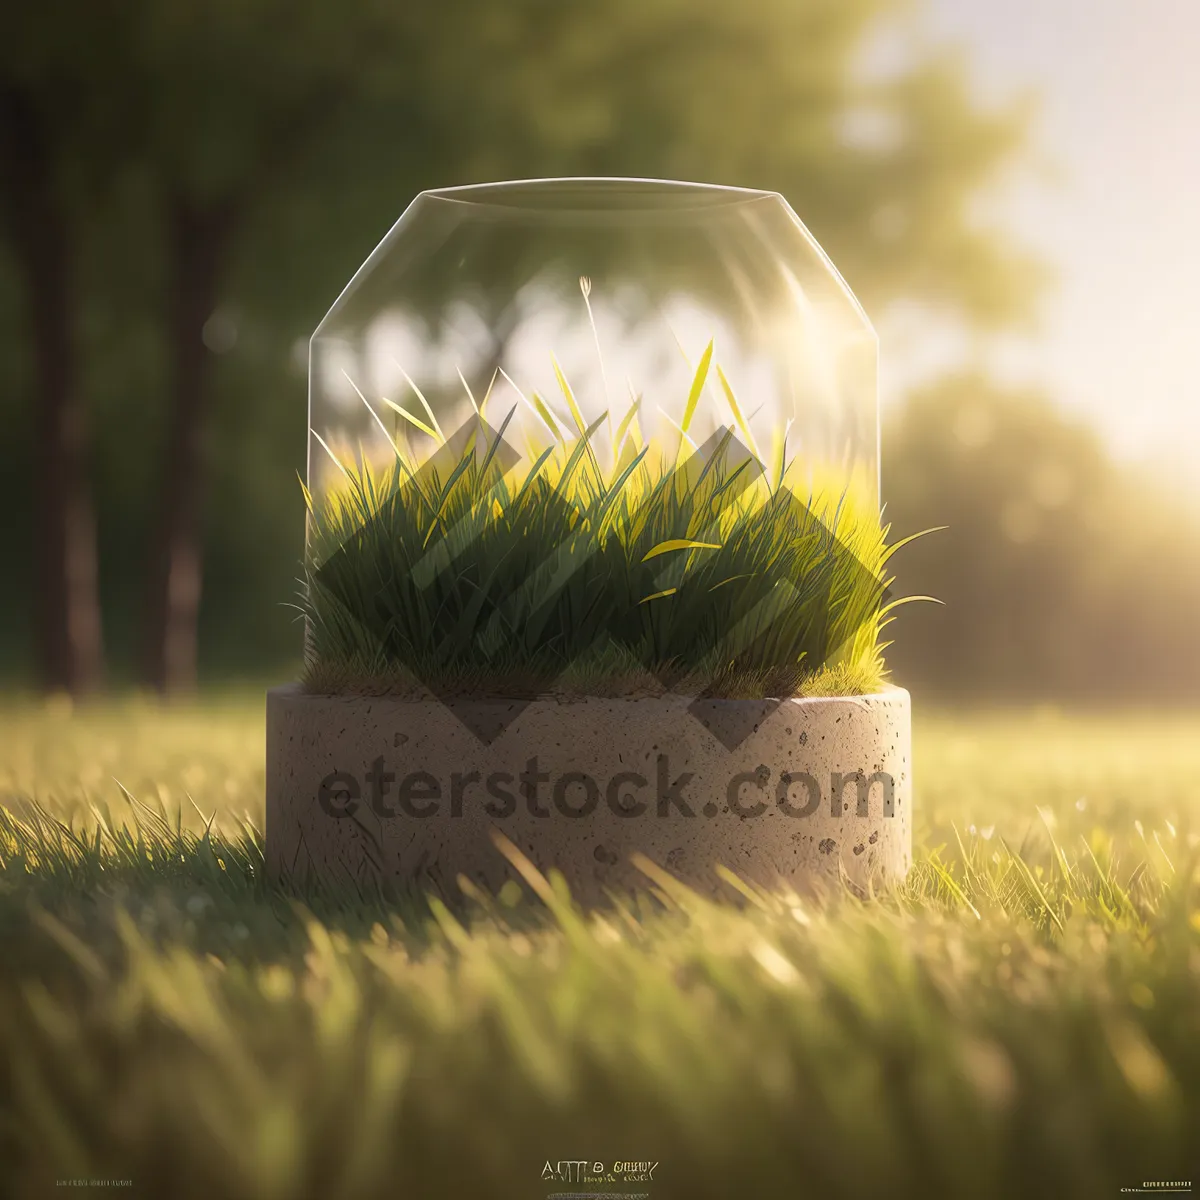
698 382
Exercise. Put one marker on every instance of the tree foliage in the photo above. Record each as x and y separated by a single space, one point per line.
1062 573
239 160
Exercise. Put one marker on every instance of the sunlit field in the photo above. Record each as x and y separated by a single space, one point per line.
1021 1019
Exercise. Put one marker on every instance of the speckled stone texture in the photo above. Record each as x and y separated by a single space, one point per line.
362 787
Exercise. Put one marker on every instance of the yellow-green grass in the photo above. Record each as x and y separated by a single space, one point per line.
641 564
1021 1019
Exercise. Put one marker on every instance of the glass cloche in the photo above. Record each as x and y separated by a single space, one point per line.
510 377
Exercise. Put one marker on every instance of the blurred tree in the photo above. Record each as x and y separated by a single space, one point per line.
1062 575
51 112
234 94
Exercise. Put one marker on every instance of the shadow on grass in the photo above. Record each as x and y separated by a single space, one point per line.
67 892
208 891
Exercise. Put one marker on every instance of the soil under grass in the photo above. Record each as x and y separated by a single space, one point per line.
1021 1019
592 679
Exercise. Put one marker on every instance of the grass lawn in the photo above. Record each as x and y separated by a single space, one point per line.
1021 1020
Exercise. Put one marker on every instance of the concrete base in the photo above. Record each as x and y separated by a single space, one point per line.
363 788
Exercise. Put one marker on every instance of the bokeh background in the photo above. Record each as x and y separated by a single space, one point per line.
1009 189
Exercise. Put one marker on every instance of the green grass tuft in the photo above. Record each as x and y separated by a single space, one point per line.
664 569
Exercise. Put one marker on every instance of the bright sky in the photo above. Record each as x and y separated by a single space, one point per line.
1120 85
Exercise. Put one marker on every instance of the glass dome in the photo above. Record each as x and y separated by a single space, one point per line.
595 425
621 284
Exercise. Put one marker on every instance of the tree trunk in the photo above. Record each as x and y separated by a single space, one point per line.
198 239
67 622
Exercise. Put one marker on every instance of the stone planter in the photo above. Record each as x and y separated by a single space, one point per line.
362 788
